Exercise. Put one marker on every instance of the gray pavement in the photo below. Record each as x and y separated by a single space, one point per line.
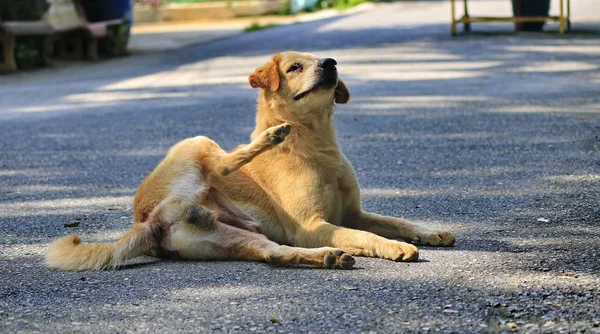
494 136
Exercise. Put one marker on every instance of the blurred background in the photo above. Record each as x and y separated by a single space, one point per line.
35 32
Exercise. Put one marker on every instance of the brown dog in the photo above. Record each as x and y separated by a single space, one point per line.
290 186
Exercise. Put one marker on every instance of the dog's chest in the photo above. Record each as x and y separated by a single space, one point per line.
328 194
333 199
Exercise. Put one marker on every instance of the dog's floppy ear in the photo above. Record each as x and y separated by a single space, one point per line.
266 77
342 95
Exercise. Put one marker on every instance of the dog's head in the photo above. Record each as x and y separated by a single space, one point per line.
300 79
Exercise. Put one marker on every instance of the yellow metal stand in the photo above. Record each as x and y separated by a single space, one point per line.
466 20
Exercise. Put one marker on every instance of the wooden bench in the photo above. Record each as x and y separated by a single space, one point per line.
9 31
81 42
76 37
466 20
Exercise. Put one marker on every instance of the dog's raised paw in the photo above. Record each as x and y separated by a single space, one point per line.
279 132
337 259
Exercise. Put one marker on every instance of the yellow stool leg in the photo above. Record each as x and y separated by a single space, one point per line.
466 25
453 24
561 19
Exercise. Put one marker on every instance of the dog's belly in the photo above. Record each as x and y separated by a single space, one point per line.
242 197
267 225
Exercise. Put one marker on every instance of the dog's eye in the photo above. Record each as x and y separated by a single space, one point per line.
295 67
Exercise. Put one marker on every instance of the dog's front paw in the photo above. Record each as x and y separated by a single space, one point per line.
276 134
337 259
431 237
398 251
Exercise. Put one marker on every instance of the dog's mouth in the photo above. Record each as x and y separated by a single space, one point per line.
327 81
303 94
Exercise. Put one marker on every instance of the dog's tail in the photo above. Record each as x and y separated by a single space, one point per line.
68 253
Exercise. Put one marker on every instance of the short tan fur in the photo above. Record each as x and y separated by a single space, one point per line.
288 197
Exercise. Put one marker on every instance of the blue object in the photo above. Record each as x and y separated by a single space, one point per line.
105 10
300 5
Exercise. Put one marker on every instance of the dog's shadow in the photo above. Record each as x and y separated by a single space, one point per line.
149 261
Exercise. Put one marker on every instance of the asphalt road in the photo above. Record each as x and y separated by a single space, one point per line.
494 136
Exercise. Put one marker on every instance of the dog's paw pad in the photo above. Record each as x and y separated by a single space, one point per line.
346 261
279 132
283 130
338 260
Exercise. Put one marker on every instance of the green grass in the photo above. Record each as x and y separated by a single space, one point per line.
285 8
257 26
345 4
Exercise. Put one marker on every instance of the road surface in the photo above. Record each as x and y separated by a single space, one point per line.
494 136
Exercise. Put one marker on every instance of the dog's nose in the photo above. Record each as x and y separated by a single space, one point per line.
327 62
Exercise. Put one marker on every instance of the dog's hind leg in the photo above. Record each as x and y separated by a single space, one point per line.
397 228
201 237
268 139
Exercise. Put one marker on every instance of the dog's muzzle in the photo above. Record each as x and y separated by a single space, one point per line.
328 76
328 71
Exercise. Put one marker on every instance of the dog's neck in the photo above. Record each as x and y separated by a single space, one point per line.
315 133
